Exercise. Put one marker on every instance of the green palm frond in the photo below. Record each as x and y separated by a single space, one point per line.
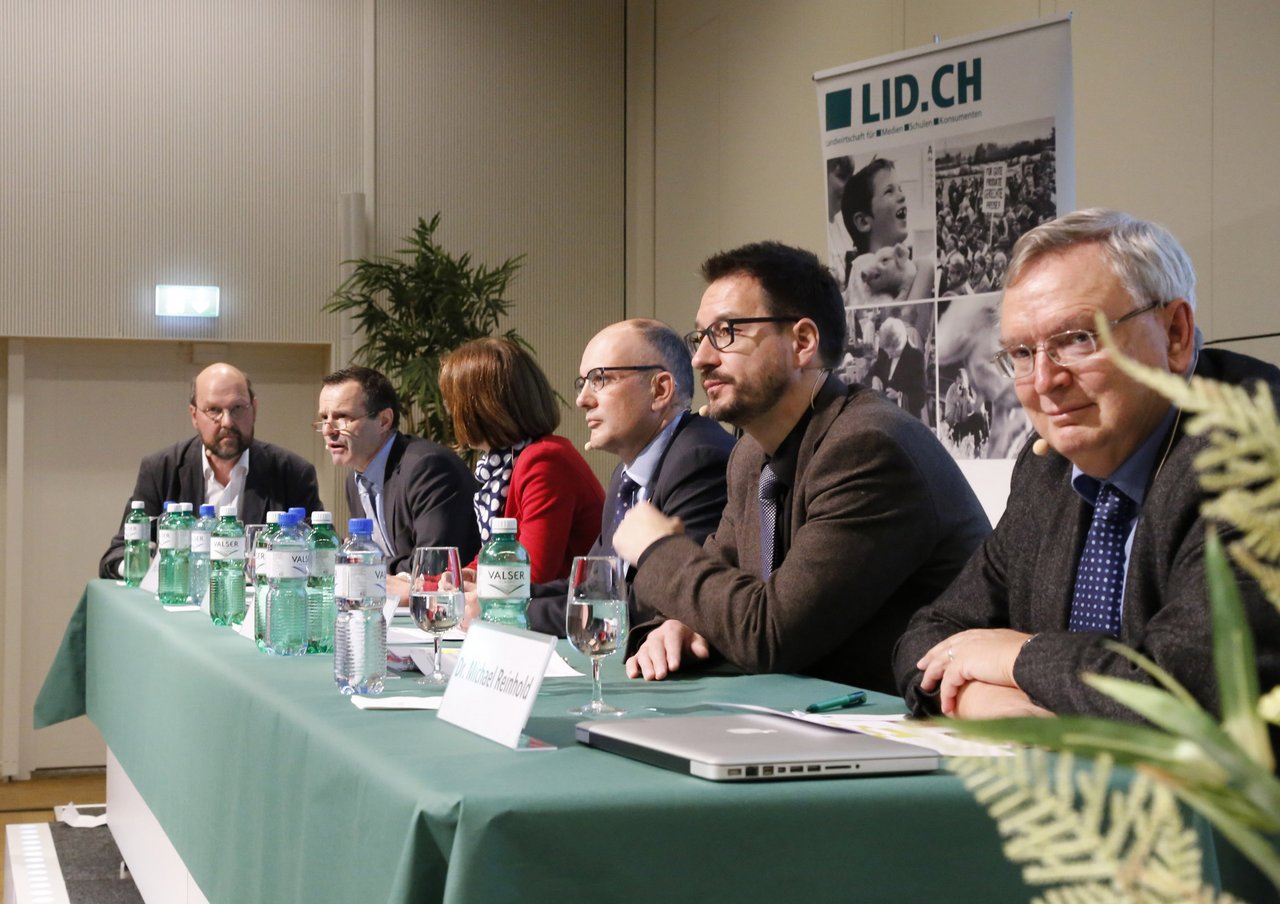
414 309
1068 828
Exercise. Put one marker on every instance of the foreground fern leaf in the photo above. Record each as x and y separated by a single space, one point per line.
1069 829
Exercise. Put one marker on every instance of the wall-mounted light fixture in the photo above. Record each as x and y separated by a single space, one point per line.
186 301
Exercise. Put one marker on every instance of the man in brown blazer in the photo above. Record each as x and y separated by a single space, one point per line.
865 519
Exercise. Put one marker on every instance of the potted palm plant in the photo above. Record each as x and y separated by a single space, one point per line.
415 308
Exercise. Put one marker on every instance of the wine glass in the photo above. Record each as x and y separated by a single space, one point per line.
595 619
435 599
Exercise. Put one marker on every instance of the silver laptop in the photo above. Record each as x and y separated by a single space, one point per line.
753 747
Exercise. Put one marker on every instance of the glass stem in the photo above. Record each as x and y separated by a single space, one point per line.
436 671
597 696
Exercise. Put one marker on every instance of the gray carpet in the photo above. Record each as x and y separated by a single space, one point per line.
90 864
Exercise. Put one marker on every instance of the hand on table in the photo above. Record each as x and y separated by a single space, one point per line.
979 654
979 700
398 585
664 648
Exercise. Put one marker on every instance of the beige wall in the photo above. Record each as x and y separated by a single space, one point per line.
1176 120
148 141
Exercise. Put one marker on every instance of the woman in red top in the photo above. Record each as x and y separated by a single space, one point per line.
503 406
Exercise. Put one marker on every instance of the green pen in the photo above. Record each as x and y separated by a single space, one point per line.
857 698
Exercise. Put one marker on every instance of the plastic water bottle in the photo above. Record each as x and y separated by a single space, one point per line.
260 547
502 577
321 609
360 631
201 533
175 555
226 571
288 558
137 543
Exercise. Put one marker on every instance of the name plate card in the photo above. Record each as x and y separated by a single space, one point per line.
495 681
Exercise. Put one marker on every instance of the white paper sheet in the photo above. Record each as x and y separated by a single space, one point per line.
362 702
933 735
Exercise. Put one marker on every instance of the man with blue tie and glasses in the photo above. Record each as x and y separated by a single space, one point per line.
634 386
1102 537
845 514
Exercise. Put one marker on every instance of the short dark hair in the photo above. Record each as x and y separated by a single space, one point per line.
497 394
672 352
857 199
795 284
379 394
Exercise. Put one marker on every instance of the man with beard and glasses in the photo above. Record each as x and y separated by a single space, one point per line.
222 464
845 514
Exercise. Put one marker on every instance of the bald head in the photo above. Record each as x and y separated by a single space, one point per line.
634 402
223 410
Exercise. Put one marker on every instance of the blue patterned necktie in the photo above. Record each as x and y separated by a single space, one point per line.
770 489
1099 587
368 499
626 498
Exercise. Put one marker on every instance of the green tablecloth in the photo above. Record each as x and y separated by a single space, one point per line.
275 788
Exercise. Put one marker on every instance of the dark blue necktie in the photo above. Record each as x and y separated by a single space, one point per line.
622 504
770 490
1100 577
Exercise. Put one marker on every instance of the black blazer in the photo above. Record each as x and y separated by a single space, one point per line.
277 480
689 484
427 493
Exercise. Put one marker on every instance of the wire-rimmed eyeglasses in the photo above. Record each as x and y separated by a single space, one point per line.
338 424
237 411
722 333
597 377
1070 348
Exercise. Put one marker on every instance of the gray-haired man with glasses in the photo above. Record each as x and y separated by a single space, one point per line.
223 464
1102 538
845 514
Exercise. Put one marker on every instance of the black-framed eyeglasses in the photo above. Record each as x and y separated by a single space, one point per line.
1070 348
597 377
722 333
214 413
338 424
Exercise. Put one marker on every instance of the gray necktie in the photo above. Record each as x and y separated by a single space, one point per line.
770 489
368 496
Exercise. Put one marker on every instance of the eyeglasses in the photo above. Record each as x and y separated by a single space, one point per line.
596 377
1067 349
338 424
722 333
214 413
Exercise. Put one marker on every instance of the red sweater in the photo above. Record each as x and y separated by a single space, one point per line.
556 500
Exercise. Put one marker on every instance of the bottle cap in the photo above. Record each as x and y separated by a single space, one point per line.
503 525
289 519
206 511
185 506
298 510
168 506
137 504
227 511
322 517
360 526
274 517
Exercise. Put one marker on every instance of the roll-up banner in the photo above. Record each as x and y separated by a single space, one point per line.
936 160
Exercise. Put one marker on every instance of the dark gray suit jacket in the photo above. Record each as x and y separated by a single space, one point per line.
881 521
427 493
277 480
1023 578
689 484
